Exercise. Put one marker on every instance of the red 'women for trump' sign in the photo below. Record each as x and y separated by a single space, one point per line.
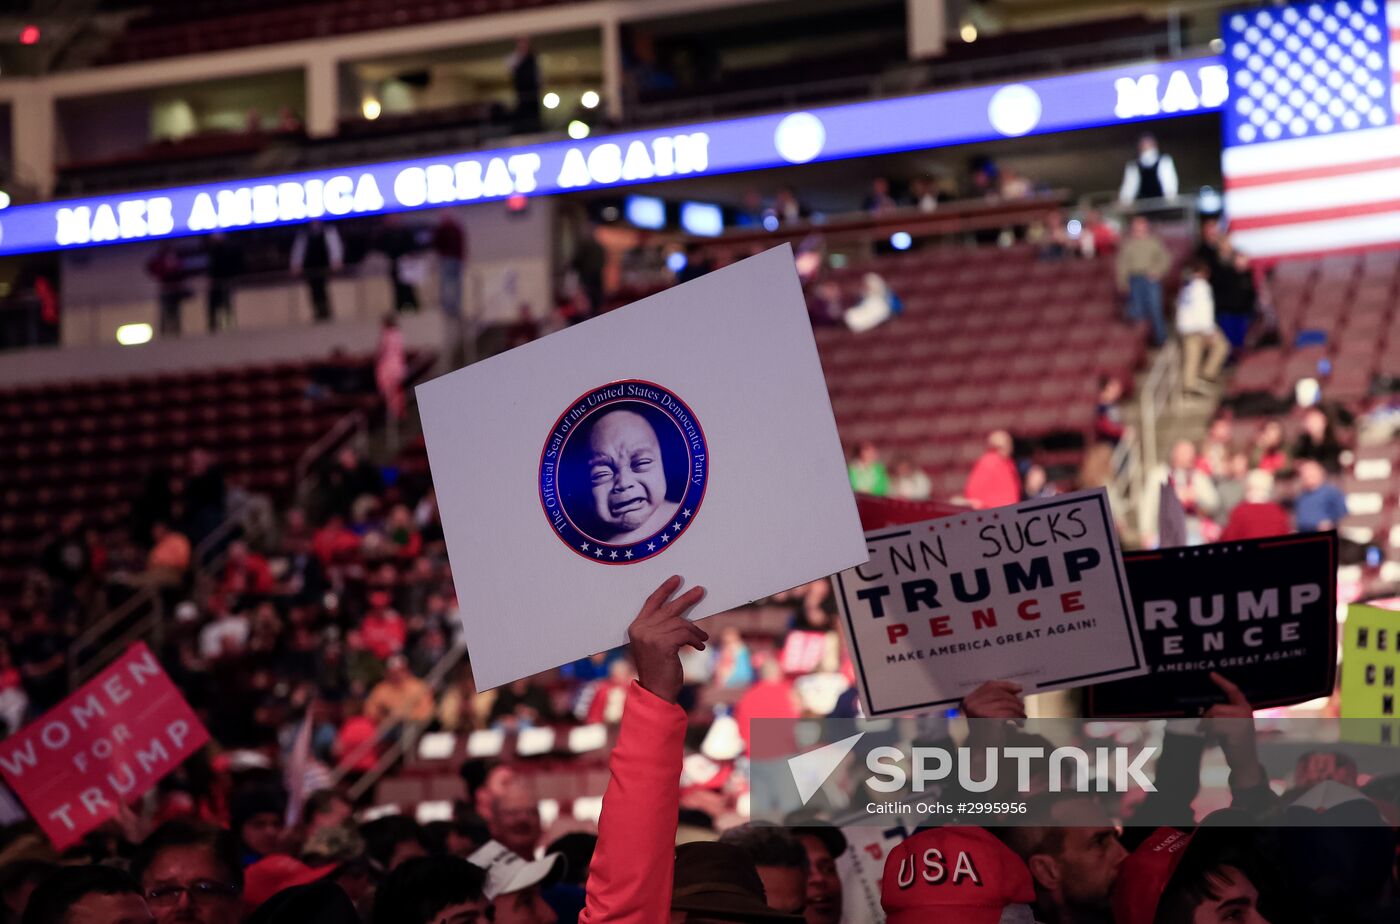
104 745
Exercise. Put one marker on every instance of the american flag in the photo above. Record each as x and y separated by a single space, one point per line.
1311 139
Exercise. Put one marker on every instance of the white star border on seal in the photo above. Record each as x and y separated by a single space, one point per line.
666 535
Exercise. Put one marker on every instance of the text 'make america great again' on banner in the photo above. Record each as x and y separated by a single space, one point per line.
1261 613
104 745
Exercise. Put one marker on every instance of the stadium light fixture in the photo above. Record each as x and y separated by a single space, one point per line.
578 130
371 108
4 199
676 262
901 240
968 32
29 35
134 334
551 100
590 99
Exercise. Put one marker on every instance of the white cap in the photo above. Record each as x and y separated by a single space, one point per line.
507 871
723 741
1328 795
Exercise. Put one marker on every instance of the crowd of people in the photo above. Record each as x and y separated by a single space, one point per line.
328 617
1233 488
1229 486
333 622
331 615
221 854
996 479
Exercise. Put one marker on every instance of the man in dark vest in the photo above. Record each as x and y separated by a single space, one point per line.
1149 177
316 253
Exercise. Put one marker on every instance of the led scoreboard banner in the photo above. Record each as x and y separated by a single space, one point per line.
1052 104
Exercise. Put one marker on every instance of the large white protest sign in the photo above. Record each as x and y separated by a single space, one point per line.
689 433
1032 593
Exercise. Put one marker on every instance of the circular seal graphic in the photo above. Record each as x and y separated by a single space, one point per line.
623 472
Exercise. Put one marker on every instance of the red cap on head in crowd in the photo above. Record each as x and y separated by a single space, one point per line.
271 875
1143 877
956 874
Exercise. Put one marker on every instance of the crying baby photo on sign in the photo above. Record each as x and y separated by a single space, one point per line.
624 472
689 433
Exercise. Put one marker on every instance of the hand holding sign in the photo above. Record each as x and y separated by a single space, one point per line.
1231 724
999 701
659 633
995 699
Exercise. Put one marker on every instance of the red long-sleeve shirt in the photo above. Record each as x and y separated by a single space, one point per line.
994 482
1256 521
629 880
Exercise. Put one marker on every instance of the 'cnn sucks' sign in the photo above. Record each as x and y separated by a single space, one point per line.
104 745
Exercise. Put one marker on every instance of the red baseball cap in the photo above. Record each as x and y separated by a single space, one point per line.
1144 875
956 874
276 872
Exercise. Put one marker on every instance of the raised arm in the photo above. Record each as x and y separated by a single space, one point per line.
1231 725
630 876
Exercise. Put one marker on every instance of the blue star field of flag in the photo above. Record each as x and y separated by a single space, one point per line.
1307 70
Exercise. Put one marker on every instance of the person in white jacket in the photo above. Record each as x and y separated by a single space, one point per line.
877 306
1195 322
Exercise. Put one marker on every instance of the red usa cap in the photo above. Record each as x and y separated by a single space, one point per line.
962 875
1144 875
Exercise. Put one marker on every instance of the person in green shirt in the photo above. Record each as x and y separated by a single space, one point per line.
867 471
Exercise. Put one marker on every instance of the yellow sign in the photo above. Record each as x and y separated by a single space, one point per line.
1371 673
